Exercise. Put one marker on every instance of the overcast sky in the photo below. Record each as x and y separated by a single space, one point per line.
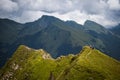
104 12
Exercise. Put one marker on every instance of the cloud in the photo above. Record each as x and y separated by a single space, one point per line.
8 6
29 16
60 6
88 6
114 4
105 12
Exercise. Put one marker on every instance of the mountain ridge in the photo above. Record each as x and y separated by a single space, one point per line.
32 64
91 25
56 37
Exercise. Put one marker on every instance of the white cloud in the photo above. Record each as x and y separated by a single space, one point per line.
29 16
60 6
82 17
8 5
105 12
102 20
114 4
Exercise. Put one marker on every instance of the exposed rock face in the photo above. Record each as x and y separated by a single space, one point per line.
46 56
7 76
15 66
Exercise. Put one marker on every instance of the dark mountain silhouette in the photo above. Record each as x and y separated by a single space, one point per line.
116 30
56 37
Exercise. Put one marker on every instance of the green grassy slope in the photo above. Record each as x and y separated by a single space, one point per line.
96 60
56 37
31 64
9 31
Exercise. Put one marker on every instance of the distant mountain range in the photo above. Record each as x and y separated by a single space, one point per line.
31 64
56 37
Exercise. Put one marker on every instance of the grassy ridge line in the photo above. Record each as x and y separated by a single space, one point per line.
31 64
100 62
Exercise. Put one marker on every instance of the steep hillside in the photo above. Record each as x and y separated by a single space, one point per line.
106 36
93 26
116 30
56 37
9 31
31 64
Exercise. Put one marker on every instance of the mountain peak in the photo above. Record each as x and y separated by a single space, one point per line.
47 20
24 47
47 17
89 21
91 25
91 54
25 50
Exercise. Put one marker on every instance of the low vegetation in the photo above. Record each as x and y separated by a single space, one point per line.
31 64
